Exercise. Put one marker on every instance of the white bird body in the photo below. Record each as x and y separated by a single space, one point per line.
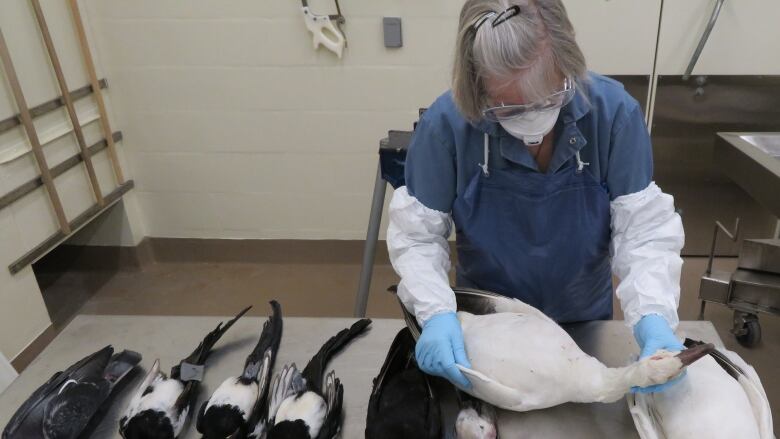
522 360
160 405
162 398
234 393
309 407
708 403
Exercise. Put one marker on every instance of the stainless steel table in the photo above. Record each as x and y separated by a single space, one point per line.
170 338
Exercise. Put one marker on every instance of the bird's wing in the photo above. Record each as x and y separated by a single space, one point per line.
89 366
32 405
645 417
69 412
496 393
268 343
260 409
398 358
314 371
334 395
259 431
203 350
286 383
135 401
433 423
185 399
754 390
120 365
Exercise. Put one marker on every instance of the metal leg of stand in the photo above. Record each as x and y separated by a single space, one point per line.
372 236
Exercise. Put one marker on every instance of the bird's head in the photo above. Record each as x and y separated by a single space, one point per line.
473 425
148 424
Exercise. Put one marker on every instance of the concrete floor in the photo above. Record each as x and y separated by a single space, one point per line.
321 290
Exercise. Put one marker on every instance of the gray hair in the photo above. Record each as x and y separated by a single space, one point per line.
539 42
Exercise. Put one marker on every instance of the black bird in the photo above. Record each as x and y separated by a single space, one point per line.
73 402
231 409
402 403
301 406
160 407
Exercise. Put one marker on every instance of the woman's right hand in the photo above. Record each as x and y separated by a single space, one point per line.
440 348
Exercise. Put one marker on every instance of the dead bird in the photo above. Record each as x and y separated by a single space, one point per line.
301 405
160 407
402 403
722 397
237 403
74 401
476 419
522 360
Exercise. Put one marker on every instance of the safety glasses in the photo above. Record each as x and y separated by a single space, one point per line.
555 100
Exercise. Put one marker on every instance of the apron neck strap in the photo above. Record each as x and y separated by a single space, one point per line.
580 164
486 149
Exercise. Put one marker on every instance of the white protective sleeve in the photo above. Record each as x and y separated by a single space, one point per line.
420 254
647 236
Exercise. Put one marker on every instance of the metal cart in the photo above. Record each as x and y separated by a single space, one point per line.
752 289
392 158
752 160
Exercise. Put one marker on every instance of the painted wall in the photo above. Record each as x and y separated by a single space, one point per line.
744 41
234 126
239 129
29 221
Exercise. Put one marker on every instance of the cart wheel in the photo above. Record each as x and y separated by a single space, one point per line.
747 329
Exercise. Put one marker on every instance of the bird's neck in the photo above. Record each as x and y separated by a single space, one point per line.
618 381
599 383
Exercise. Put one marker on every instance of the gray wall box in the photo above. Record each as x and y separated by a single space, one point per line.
392 31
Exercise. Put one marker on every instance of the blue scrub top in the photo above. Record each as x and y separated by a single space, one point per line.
605 124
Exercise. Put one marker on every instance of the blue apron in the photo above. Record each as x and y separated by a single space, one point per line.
541 238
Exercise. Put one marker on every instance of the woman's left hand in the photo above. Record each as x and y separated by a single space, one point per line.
653 333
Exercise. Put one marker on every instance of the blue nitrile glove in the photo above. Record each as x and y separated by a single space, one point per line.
440 347
653 333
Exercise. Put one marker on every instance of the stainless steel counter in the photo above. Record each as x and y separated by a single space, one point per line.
170 338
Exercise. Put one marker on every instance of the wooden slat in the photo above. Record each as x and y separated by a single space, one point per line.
59 169
27 122
48 106
78 222
90 67
74 118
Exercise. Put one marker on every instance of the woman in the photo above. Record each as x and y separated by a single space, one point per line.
546 171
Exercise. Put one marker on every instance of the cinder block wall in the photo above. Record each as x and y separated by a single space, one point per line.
240 129
234 126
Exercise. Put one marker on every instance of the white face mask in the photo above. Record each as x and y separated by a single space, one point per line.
533 126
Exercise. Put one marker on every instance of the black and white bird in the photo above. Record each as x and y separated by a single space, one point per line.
160 407
239 401
402 402
73 402
301 405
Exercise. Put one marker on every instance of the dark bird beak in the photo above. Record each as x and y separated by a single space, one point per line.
690 355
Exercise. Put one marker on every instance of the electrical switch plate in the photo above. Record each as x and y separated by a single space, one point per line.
392 31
